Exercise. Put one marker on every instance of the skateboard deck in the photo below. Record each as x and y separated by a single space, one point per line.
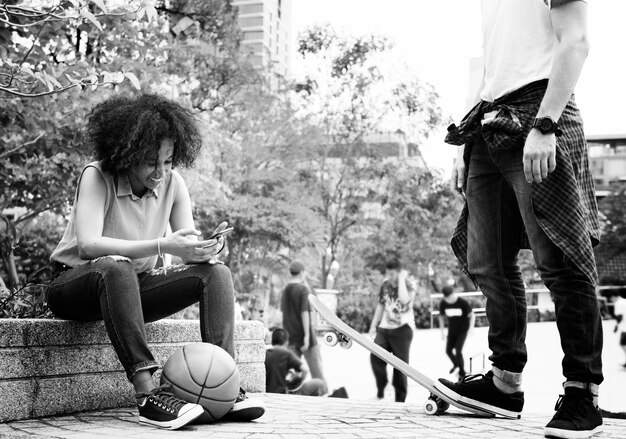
435 404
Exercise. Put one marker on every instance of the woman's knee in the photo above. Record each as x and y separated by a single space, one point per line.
114 267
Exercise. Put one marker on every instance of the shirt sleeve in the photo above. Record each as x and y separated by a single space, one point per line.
467 309
381 294
303 297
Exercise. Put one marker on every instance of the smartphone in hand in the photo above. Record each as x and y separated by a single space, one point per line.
221 230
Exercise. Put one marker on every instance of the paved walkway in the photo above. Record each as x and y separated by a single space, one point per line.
301 417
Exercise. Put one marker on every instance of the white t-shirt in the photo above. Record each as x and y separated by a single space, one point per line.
620 309
518 44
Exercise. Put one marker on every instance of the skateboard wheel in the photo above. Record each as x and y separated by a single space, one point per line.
346 343
442 406
430 407
331 339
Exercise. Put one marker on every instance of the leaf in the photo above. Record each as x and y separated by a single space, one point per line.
92 18
100 4
133 80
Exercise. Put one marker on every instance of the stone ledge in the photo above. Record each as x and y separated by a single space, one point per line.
53 332
51 367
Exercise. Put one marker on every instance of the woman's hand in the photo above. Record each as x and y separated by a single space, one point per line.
190 250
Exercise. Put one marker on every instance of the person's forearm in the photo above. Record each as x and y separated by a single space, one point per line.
378 313
570 56
104 246
403 293
442 325
306 326
472 320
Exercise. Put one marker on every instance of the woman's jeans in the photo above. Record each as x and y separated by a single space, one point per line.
110 290
500 209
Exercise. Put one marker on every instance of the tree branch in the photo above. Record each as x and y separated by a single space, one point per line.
54 91
23 145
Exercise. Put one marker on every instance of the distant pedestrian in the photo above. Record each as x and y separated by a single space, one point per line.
297 320
392 327
619 311
285 372
458 312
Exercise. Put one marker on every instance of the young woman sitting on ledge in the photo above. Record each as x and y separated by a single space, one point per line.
105 263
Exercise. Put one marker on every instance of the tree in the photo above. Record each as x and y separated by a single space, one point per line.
249 174
351 95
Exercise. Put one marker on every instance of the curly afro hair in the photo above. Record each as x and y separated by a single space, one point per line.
123 131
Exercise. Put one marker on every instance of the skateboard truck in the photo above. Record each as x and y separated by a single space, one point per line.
334 338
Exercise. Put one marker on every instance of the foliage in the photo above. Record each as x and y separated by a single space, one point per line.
350 95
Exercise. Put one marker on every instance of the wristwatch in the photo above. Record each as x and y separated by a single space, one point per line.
547 126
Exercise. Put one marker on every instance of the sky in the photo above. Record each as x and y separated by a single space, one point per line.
436 39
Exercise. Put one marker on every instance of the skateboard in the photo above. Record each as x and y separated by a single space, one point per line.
344 335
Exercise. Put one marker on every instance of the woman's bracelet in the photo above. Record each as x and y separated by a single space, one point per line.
160 255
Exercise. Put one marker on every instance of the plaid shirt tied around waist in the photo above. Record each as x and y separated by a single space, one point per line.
564 204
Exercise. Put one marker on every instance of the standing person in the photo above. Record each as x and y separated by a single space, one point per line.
458 312
105 265
392 327
298 323
524 173
280 361
619 310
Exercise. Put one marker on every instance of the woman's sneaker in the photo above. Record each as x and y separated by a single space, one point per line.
245 409
576 416
480 392
162 409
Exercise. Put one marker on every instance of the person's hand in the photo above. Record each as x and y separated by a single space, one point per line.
305 346
372 333
457 179
539 156
183 244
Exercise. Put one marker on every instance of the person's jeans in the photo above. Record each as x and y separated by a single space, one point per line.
454 349
110 290
398 342
313 357
312 387
500 209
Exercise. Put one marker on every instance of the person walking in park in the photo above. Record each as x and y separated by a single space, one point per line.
281 362
619 311
298 322
105 267
458 313
392 327
523 170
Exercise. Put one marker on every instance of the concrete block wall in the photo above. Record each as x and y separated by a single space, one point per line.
50 367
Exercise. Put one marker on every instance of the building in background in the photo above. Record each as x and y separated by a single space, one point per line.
607 155
267 34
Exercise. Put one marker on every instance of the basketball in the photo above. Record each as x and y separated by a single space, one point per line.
203 374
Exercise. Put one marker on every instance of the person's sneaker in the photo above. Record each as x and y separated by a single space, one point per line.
480 392
576 416
245 409
162 409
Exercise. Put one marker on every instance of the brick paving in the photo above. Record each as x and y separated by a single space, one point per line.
301 417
